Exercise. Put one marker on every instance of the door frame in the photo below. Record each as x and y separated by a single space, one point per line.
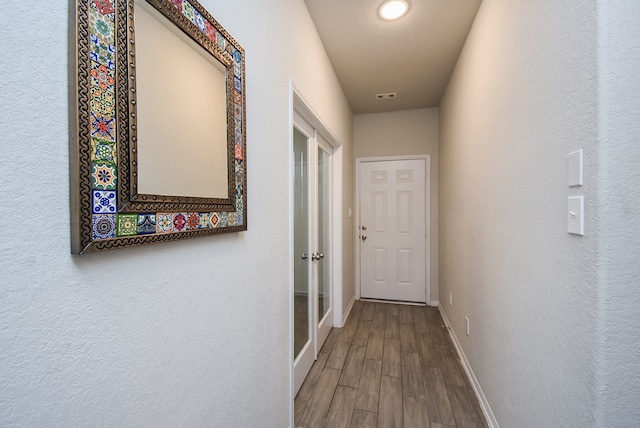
427 159
298 105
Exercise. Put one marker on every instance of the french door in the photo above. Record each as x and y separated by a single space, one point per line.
313 311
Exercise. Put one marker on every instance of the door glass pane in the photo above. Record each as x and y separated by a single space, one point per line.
324 231
301 330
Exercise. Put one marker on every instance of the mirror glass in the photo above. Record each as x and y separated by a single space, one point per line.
182 115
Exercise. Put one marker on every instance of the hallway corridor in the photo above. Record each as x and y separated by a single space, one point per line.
389 366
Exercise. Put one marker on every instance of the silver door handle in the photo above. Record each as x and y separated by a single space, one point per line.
364 237
304 256
364 227
317 256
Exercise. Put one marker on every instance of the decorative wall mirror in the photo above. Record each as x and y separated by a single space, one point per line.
158 132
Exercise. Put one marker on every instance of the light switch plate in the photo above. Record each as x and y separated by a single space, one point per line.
575 215
575 168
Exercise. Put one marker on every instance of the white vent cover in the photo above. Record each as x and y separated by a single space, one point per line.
387 96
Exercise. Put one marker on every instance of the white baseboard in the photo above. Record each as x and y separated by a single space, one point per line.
347 312
484 404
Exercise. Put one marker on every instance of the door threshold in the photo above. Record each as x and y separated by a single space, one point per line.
395 302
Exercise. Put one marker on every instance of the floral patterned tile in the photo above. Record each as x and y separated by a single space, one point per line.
164 222
103 175
179 222
102 77
103 150
104 202
102 102
193 220
104 226
126 224
105 7
204 220
146 223
103 127
215 220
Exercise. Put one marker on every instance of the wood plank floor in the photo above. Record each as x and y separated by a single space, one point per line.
389 366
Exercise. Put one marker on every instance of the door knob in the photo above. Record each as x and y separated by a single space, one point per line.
364 227
364 237
304 256
317 256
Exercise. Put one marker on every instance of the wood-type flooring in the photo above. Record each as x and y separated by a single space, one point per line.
389 366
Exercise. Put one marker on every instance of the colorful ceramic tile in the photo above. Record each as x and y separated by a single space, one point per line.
103 226
237 111
103 150
200 22
223 219
204 220
102 53
103 175
146 223
238 152
239 191
102 76
126 224
231 221
105 7
177 4
164 222
192 221
237 84
103 102
188 11
237 97
239 205
239 219
179 222
102 26
221 41
237 70
103 127
104 202
215 220
239 169
237 56
211 32
238 137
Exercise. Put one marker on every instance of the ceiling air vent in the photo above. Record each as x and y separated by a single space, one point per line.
387 96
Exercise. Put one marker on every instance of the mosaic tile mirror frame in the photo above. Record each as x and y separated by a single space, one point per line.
107 210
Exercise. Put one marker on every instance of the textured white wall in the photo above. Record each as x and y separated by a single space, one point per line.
522 97
191 333
619 61
407 132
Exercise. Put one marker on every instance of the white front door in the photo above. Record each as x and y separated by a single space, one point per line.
313 310
392 230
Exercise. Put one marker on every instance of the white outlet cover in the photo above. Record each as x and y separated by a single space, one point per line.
575 168
575 215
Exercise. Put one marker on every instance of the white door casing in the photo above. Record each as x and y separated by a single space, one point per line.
392 233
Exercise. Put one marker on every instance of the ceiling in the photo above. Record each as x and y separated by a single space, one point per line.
413 56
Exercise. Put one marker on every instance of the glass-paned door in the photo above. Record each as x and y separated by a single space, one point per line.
313 315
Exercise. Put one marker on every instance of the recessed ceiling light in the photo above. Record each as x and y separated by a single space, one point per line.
393 9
